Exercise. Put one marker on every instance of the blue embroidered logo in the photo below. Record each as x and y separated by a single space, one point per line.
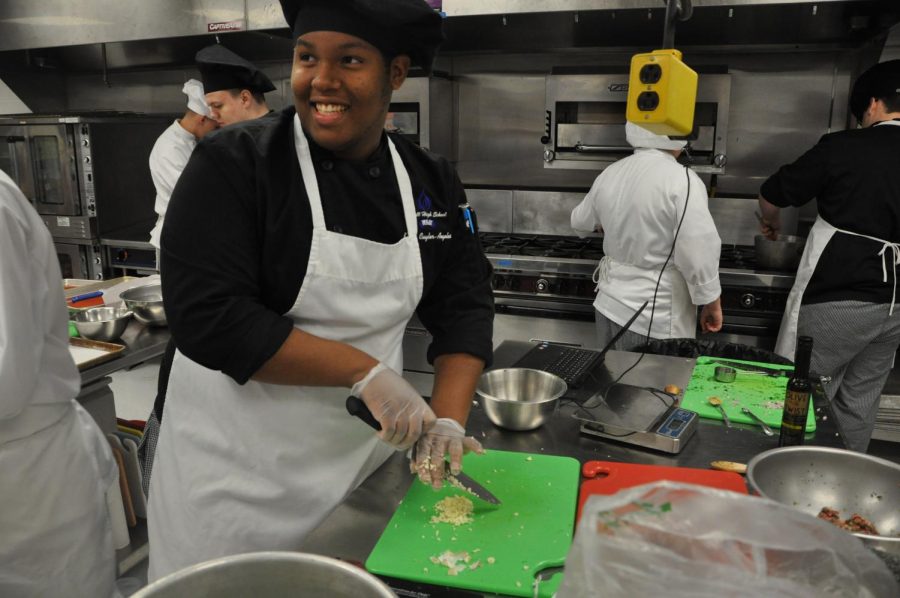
423 202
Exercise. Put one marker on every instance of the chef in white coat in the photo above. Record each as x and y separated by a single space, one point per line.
173 148
56 467
328 235
640 203
845 292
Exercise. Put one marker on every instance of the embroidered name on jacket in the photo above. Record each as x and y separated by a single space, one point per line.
430 221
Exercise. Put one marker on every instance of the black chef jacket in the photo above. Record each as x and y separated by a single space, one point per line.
855 177
237 234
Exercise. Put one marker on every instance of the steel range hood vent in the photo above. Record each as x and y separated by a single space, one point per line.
528 26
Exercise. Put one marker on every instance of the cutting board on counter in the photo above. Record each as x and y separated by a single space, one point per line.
608 477
531 530
764 395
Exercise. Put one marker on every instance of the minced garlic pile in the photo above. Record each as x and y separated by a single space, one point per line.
455 510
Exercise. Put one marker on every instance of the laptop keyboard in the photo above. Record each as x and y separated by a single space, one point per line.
573 365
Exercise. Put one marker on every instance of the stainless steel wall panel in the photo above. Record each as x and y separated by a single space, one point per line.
53 23
501 120
544 212
494 209
456 8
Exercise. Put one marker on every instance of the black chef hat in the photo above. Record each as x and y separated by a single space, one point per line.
220 68
395 27
882 81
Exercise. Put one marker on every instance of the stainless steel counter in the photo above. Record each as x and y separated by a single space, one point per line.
141 343
352 530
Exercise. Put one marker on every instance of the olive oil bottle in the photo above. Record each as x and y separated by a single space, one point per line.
797 397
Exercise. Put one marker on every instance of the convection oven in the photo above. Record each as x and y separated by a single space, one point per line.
86 175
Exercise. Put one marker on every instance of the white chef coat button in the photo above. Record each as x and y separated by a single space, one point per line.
327 165
374 172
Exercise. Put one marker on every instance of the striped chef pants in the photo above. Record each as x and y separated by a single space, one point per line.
854 343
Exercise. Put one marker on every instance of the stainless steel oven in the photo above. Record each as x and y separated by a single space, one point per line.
551 277
90 169
585 114
79 259
86 175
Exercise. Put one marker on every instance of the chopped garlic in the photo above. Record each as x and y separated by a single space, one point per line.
491 560
455 510
454 561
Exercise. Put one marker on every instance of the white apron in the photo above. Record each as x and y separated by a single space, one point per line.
675 315
57 537
819 236
258 466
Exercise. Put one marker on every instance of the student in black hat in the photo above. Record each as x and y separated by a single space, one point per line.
234 87
845 292
296 248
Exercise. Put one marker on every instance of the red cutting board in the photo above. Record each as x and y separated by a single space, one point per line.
608 477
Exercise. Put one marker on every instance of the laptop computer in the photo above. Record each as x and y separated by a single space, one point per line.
579 367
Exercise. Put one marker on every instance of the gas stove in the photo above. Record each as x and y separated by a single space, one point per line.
553 276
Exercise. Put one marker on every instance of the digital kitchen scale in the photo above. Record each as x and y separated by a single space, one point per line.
637 415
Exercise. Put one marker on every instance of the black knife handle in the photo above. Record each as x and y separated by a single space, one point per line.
358 408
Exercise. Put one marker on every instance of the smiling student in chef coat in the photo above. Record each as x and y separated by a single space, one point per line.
639 202
56 467
295 250
845 292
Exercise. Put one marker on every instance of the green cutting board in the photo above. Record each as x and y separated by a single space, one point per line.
532 529
764 395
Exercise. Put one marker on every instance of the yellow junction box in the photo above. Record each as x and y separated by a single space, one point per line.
662 91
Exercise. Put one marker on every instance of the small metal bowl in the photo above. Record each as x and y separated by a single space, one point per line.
519 398
102 323
724 374
147 304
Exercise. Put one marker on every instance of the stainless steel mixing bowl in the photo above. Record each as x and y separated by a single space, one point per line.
811 477
269 575
519 398
102 323
147 304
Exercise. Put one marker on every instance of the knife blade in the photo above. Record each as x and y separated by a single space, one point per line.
746 367
358 408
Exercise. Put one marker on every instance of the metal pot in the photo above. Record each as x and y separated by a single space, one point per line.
269 575
782 253
811 477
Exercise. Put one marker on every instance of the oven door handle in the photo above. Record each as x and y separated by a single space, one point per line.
586 148
738 328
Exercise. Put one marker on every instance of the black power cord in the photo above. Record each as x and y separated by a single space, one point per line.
652 310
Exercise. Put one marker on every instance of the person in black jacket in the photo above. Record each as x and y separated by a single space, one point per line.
845 292
295 250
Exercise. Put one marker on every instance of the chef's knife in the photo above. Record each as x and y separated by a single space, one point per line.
357 407
746 367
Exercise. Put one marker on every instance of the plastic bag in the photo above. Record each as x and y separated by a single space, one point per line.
691 347
686 540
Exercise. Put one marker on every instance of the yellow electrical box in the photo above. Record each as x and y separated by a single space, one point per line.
662 91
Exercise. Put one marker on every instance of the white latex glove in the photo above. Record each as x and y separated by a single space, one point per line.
402 412
447 436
